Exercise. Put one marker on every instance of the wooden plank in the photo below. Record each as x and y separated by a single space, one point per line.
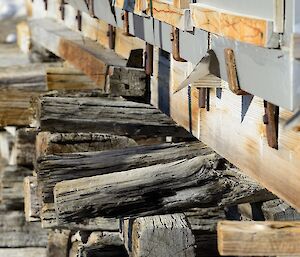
241 28
164 235
163 188
56 143
78 165
31 201
103 115
21 252
269 238
90 57
49 221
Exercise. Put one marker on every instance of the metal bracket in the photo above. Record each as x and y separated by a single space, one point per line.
175 45
149 59
111 34
62 9
271 120
232 75
79 20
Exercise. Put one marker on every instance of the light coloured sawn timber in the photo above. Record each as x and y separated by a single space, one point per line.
268 238
164 235
163 188
21 252
241 28
31 201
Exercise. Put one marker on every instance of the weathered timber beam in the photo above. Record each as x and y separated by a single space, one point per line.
25 147
102 65
49 221
56 168
164 188
11 186
21 252
103 115
269 238
16 233
48 143
58 243
161 235
31 202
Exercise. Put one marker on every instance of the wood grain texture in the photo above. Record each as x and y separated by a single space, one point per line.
269 238
21 252
31 201
56 143
49 221
56 168
240 28
164 235
103 115
58 243
158 189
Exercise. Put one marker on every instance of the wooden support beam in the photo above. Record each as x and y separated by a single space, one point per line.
56 168
49 221
31 201
21 252
11 186
55 143
162 235
100 64
103 115
269 238
163 188
16 233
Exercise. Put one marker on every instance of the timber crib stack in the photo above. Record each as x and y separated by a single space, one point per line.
100 116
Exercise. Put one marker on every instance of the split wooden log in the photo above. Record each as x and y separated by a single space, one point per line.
162 235
55 143
56 168
11 186
31 202
103 66
49 221
164 188
103 115
268 238
25 147
58 243
16 233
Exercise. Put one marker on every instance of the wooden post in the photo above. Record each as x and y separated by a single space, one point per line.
31 202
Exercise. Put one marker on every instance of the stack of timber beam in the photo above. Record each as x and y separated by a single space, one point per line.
92 169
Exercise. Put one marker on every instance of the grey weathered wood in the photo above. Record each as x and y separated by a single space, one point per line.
164 188
101 244
28 77
56 168
54 143
16 232
11 186
49 221
103 115
58 243
162 235
21 252
31 201
25 146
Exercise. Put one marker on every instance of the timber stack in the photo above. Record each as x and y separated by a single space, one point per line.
110 147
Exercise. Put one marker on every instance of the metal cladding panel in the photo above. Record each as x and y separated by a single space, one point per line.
262 72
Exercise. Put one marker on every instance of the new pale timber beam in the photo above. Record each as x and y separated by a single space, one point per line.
164 188
100 64
268 238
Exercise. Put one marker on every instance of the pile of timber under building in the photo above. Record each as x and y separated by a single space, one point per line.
89 168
